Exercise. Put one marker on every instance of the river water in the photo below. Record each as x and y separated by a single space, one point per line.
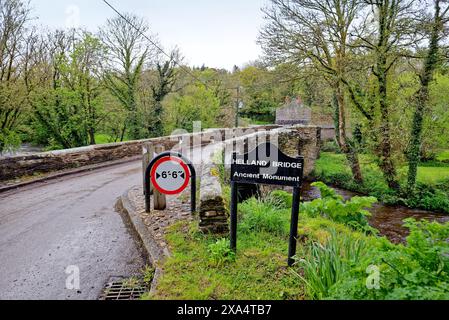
24 150
387 219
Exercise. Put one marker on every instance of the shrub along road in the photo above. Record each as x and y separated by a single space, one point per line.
47 227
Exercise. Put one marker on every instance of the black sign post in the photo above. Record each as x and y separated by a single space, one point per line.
267 165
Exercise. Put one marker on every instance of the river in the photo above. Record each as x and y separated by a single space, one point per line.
387 219
24 150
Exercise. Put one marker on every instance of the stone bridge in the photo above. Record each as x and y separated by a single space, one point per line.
13 168
293 141
41 224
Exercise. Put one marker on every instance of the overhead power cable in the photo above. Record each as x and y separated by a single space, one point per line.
158 47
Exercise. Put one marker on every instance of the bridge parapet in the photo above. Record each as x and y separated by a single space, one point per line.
293 141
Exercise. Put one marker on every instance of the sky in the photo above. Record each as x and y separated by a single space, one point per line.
217 33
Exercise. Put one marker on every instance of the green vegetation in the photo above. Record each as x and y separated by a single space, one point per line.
70 88
443 156
324 265
220 252
334 260
346 268
431 193
332 206
202 268
105 139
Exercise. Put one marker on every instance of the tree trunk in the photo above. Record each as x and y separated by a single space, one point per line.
122 135
92 136
386 161
384 133
345 146
422 99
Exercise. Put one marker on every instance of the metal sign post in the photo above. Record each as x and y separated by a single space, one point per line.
170 173
267 165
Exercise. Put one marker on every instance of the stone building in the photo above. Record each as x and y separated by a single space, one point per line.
293 112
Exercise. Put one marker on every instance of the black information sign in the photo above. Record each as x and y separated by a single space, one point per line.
267 165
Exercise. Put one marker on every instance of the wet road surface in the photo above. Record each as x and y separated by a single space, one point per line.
70 221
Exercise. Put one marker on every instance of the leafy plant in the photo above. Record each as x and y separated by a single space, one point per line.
351 213
417 271
322 265
148 274
221 252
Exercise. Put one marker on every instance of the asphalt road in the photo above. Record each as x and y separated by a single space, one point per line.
70 221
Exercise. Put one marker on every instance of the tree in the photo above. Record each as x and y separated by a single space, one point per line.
128 51
81 74
165 80
195 103
14 16
316 33
431 61
57 106
387 40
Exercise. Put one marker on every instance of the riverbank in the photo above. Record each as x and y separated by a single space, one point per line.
432 192
388 219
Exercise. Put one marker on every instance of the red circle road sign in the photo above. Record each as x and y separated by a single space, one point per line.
170 175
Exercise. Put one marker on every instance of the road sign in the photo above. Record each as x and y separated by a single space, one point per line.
267 165
170 175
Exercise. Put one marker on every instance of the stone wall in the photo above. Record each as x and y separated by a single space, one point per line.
212 209
16 167
293 113
294 141
20 166
328 133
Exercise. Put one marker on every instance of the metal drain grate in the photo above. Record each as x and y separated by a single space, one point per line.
124 290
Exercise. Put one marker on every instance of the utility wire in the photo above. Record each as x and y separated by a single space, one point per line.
185 69
158 47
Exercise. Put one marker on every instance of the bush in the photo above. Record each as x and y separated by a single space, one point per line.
330 146
432 195
417 271
428 197
332 206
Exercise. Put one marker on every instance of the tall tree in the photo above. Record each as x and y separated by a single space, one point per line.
316 33
82 75
14 16
162 86
128 51
386 40
435 33
56 101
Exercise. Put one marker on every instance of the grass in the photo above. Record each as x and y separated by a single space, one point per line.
433 175
443 156
258 271
332 163
333 260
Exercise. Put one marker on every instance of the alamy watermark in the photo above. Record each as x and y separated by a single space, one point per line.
72 14
238 140
373 279
73 281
